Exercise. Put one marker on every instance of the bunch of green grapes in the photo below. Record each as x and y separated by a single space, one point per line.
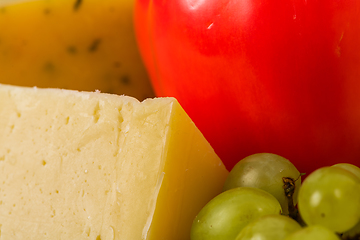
264 199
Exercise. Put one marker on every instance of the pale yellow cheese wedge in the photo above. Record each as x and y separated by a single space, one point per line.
80 165
73 44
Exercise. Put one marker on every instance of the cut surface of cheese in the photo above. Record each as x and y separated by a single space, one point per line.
72 44
87 165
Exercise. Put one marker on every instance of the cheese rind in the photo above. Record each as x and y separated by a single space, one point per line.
80 165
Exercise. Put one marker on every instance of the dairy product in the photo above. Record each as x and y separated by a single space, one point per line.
73 44
82 165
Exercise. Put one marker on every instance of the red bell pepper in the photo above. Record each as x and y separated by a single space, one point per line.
280 76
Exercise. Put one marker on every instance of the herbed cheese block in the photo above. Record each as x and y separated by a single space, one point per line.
73 44
81 165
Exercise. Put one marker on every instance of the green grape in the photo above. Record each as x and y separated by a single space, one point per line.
266 171
350 167
269 227
353 233
314 232
229 212
330 196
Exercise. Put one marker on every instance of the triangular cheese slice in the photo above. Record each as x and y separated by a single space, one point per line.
86 165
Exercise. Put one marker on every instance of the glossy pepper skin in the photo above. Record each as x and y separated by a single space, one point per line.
279 76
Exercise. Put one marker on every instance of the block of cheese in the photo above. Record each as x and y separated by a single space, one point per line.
86 165
73 44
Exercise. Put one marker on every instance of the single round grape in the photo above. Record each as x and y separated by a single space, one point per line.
330 196
314 232
229 212
265 171
350 167
269 227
